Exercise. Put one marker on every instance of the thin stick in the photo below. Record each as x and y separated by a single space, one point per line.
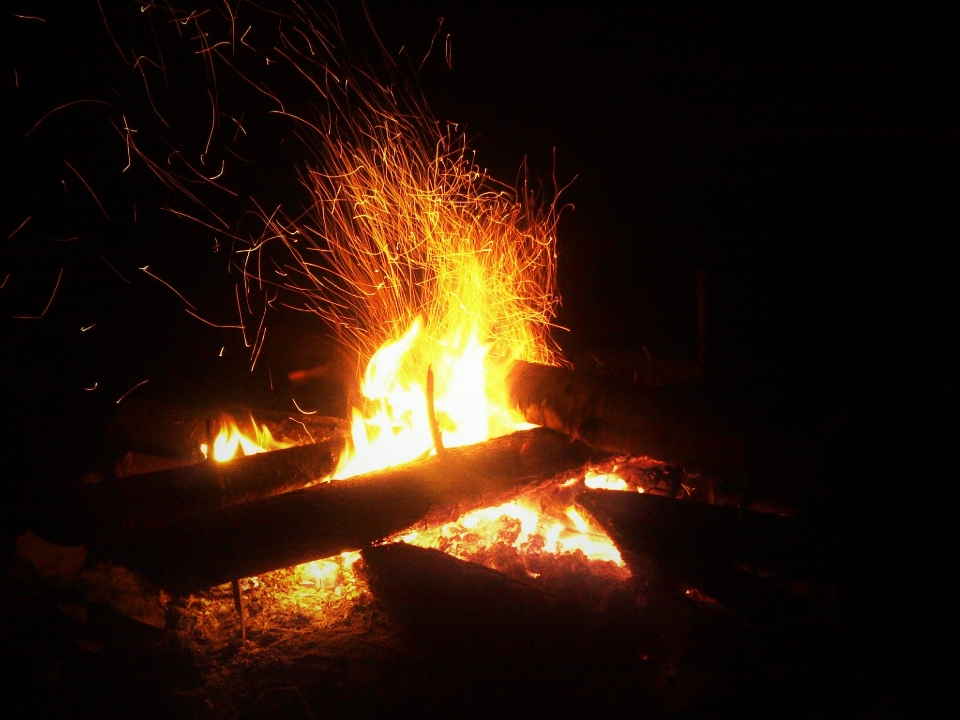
238 604
432 414
211 438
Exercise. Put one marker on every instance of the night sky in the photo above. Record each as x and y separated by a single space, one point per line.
805 157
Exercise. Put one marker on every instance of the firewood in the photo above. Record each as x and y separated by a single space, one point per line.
466 605
671 424
160 497
714 549
151 427
698 535
457 605
333 517
693 426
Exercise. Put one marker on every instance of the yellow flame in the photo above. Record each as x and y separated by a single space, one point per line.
328 574
605 481
419 261
230 440
395 427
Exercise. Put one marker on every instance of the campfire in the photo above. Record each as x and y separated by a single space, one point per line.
480 490
439 284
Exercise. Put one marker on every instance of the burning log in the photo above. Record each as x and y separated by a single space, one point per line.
169 430
691 426
333 517
440 595
160 497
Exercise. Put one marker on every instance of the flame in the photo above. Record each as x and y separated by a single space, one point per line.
605 481
418 261
330 574
424 266
230 440
395 425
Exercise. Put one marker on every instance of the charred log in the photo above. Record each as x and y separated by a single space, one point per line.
695 534
156 428
334 517
465 605
439 595
160 497
737 436
715 549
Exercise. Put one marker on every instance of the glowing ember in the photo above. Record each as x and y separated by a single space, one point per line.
606 481
535 525
230 440
331 574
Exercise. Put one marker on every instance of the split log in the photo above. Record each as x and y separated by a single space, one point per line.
160 497
169 430
334 517
694 426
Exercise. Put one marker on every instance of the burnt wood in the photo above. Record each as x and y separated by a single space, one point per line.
161 497
734 435
332 517
697 535
152 427
717 550
471 610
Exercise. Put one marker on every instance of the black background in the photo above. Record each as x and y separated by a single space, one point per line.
805 156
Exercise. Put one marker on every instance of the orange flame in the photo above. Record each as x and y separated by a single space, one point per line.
422 265
230 440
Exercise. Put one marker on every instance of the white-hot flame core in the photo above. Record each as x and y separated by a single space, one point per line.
395 427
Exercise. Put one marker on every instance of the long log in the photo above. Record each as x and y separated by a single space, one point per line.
468 605
156 498
165 429
695 426
333 517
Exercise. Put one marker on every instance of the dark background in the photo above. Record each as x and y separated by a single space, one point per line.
804 156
